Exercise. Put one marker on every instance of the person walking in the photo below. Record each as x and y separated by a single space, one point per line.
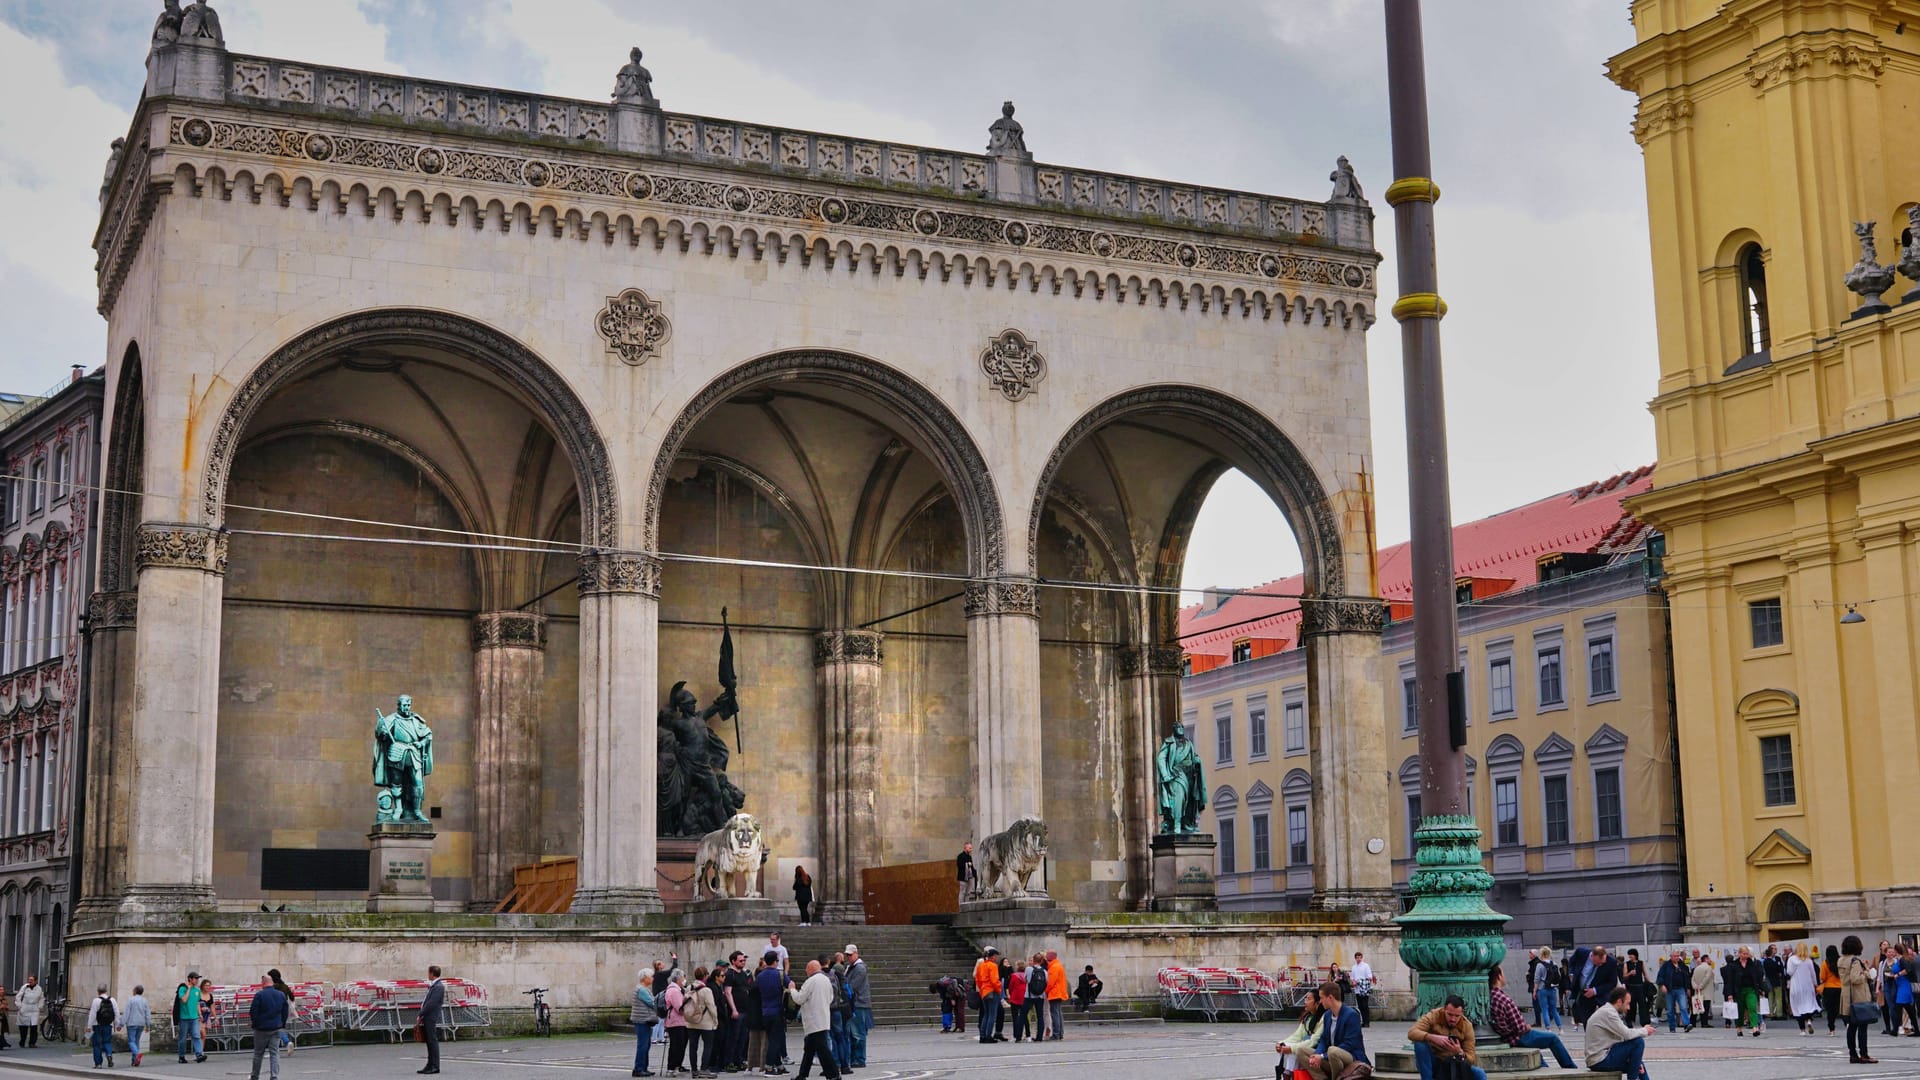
1803 996
1511 1024
1056 997
1674 983
645 1014
186 1019
1774 965
1830 986
1363 988
1746 980
674 1020
1545 987
840 1024
815 1000
703 1025
1444 1034
964 870
1634 977
986 980
860 999
1342 1048
1858 1004
31 1002
1611 1045
1703 982
100 1017
771 982
268 1016
1598 976
1900 991
431 1008
138 1018
802 893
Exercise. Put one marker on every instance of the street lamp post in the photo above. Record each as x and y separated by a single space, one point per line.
1451 937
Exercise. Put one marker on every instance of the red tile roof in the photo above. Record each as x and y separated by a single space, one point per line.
1503 547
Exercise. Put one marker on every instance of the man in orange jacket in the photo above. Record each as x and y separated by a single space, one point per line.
986 981
1056 996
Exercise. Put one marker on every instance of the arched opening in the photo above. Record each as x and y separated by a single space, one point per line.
367 472
1787 916
1755 334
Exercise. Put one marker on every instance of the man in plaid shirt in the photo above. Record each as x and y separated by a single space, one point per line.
1510 1025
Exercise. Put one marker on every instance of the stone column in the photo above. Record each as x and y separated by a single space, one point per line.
176 688
847 666
509 667
619 667
1151 678
1003 673
1349 760
109 772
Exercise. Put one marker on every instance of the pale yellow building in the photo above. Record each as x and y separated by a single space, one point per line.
1788 423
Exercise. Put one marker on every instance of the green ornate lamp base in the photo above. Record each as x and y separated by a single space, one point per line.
1451 938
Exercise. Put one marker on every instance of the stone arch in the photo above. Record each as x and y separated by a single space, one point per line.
1786 905
1280 466
122 479
952 448
545 392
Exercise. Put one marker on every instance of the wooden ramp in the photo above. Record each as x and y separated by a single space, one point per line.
542 888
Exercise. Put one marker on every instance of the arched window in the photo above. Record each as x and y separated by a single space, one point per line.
1755 334
1788 907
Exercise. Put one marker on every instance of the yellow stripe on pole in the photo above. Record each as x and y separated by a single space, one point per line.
1412 189
1420 305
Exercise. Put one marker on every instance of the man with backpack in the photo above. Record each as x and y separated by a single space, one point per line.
100 1017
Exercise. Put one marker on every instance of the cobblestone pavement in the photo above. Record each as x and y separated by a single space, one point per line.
1142 1051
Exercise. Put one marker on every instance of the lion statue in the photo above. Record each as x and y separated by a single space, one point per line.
733 850
1011 857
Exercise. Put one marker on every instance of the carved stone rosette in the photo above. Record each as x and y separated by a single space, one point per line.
1343 615
846 647
509 629
186 547
112 610
1156 660
633 326
1005 596
620 572
1013 364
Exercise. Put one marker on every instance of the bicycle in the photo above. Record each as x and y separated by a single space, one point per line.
54 1027
542 1012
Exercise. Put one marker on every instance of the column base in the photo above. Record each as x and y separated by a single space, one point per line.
401 854
141 900
612 901
1183 873
1360 905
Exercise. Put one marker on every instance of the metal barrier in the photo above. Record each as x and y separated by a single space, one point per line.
319 1009
1212 991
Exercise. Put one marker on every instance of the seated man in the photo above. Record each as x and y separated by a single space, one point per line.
1341 1052
1611 1045
1510 1024
1444 1033
1088 991
1293 1049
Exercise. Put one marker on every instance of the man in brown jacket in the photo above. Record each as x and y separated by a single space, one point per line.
1443 1034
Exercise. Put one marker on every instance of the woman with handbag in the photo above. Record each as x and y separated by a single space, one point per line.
1857 1000
675 1021
703 1026
645 1013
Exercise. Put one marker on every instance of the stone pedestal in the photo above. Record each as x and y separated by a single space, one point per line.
1183 873
1037 914
1494 1058
741 913
401 866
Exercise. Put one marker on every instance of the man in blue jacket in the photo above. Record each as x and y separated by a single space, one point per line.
1341 1045
268 1016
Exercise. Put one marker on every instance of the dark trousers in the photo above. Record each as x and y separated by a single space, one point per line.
735 1052
819 1044
30 1034
989 1012
1830 1002
1366 1009
432 1032
776 1027
1857 1039
102 1043
710 1045
1020 1022
676 1048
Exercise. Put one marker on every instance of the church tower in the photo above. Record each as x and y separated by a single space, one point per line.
1787 416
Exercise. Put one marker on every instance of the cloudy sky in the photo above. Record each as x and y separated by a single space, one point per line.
1542 227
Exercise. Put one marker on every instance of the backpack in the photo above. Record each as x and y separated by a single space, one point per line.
103 1013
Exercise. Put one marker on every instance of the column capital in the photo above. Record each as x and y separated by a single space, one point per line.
1003 596
620 572
1342 615
1150 660
846 647
181 546
112 610
509 629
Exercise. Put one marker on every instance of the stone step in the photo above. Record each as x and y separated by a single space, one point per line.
1547 1072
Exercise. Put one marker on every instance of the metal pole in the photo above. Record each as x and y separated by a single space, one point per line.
1451 937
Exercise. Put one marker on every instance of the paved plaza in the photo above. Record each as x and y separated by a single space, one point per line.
1127 1051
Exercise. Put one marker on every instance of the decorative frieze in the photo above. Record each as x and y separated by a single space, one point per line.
509 629
846 647
112 610
185 547
633 326
1652 120
1342 615
620 572
1003 596
1152 660
1013 364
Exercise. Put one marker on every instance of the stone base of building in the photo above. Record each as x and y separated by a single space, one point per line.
1028 914
758 913
617 902
1720 916
1360 905
840 912
1183 873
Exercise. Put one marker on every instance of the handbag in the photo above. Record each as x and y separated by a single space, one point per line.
1864 1012
1766 1006
1730 1010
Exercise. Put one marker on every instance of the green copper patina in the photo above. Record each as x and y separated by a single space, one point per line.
402 761
1183 790
1451 938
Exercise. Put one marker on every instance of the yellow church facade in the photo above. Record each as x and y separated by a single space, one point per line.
1788 424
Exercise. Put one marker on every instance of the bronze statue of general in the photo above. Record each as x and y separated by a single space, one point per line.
402 761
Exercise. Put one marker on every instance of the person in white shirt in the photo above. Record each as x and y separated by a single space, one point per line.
1612 1046
1362 975
815 998
774 946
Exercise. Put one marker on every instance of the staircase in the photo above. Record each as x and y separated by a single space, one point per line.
901 961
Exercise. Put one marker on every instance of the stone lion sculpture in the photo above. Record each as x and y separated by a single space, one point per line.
735 850
1011 857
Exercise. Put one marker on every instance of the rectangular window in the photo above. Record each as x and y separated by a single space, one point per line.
56 610
1558 831
1551 690
1262 843
1296 727
23 787
1411 697
13 501
1256 731
1413 824
1242 651
49 779
30 621
62 471
1226 845
1506 812
1776 769
37 487
1766 619
1600 667
1223 737
1500 686
1606 804
1296 836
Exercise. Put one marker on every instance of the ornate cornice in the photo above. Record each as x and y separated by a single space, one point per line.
509 629
1342 615
846 647
1654 119
1006 596
1860 59
620 572
183 547
1153 660
112 610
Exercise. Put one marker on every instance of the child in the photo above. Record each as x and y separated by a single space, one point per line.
953 1004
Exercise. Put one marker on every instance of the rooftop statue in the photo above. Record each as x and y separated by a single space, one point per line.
1345 184
1006 136
166 28
402 761
200 25
1183 790
634 84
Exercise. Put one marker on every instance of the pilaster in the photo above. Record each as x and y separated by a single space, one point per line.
109 773
848 665
1353 868
509 666
1003 672
1150 676
619 670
